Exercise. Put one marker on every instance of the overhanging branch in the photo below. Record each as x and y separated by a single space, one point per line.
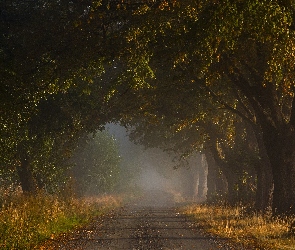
226 105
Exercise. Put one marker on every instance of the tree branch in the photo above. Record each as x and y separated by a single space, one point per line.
226 105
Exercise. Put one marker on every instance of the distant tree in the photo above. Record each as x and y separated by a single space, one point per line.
96 165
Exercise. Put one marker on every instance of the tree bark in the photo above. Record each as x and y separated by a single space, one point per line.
211 177
230 177
221 184
202 178
264 192
216 183
280 147
25 176
278 133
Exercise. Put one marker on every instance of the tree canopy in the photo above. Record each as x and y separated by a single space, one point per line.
189 75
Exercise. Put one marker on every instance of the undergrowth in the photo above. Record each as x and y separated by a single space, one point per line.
263 231
27 220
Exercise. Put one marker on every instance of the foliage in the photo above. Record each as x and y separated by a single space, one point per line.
193 67
241 53
96 161
49 60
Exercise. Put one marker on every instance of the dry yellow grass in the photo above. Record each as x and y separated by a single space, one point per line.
262 231
26 221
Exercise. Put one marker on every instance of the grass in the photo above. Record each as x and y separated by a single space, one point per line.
252 229
26 221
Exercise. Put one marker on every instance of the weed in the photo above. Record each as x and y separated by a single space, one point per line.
25 220
261 230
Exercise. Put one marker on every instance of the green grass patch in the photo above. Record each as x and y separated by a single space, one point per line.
239 225
26 221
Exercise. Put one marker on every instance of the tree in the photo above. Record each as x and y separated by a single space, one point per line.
96 165
50 55
256 61
235 51
239 54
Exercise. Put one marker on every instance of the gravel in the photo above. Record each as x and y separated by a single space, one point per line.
140 228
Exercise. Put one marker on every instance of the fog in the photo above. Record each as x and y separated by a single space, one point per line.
151 175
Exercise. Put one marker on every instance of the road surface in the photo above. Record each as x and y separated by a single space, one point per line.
140 228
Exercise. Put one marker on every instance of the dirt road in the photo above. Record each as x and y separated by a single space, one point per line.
141 228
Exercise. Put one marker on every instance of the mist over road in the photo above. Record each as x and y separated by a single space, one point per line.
141 227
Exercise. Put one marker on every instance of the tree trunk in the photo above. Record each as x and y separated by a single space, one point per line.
202 178
264 190
221 184
25 176
284 189
283 196
188 183
211 177
231 178
263 169
216 183
280 148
